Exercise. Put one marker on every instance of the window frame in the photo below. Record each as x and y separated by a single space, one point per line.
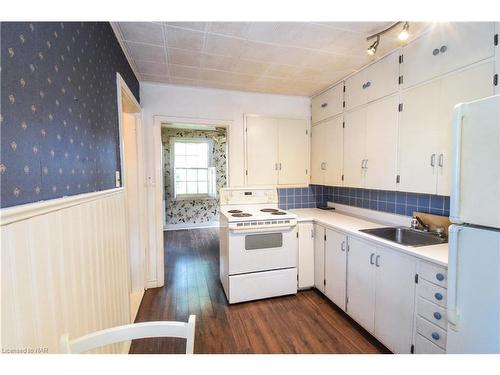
210 164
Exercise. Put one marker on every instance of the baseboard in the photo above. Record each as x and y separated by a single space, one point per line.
211 224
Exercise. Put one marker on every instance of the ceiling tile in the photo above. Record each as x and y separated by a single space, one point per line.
237 29
142 32
183 57
152 68
155 78
185 39
200 26
147 52
223 45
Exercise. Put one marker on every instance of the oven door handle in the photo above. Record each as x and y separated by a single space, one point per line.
262 229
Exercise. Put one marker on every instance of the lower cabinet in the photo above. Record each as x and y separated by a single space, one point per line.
336 267
305 257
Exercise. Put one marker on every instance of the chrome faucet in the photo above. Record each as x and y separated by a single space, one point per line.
422 224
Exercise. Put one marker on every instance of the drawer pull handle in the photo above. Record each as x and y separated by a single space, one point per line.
435 335
438 296
440 276
323 105
371 258
437 315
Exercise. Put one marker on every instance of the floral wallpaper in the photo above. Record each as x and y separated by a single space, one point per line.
194 211
59 120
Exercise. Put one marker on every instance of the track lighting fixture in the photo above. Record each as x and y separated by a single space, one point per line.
402 36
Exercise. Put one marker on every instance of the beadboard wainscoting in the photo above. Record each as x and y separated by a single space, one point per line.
64 269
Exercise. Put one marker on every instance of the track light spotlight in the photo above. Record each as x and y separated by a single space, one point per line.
404 34
373 48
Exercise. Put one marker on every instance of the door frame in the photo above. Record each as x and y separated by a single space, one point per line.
127 103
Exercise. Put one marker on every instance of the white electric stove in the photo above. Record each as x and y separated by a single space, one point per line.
258 245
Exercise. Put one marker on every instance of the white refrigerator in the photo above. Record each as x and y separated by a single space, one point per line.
474 237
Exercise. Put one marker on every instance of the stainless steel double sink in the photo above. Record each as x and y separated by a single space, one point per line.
406 236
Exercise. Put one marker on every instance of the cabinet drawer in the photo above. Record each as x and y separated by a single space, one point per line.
432 312
432 292
433 273
424 346
431 332
327 104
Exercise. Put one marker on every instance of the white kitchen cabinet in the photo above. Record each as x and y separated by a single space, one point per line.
425 127
361 282
328 103
376 81
447 47
305 264
327 152
277 151
395 299
370 144
336 267
319 257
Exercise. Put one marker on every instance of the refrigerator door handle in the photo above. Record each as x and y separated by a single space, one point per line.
452 311
458 118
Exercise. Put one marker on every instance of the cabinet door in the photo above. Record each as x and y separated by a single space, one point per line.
319 257
262 151
327 104
334 151
336 267
382 77
466 43
318 153
418 132
306 255
293 152
355 90
467 85
381 143
361 282
354 147
395 299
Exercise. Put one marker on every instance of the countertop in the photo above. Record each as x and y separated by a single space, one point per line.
351 225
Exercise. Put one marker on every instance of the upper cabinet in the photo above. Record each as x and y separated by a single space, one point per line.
276 151
447 47
327 104
376 81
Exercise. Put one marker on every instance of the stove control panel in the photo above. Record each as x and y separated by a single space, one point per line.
260 224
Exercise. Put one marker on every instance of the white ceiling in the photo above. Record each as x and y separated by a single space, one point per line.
293 58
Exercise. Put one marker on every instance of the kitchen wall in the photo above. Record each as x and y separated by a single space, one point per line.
59 109
194 211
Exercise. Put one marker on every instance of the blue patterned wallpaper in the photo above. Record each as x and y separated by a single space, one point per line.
59 120
380 200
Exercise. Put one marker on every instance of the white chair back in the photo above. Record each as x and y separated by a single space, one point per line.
130 332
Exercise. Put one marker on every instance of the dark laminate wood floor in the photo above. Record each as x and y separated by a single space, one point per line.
302 323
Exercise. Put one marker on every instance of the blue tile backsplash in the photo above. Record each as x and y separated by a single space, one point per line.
380 200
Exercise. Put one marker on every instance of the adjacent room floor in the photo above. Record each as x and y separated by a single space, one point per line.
303 323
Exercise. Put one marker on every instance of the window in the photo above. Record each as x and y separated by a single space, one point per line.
194 175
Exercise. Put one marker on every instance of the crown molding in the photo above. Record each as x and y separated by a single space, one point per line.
119 36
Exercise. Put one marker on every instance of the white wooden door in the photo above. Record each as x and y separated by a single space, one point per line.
306 255
395 299
466 43
361 282
334 151
327 104
336 267
319 257
318 153
418 143
293 152
382 77
262 151
355 90
470 84
354 147
382 143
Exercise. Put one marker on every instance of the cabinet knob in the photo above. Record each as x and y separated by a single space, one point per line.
440 276
323 105
435 51
438 296
368 84
435 335
437 315
443 49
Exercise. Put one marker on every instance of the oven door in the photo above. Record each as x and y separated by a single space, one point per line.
262 249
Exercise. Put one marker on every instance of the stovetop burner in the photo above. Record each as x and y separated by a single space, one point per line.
235 211
278 213
269 210
241 214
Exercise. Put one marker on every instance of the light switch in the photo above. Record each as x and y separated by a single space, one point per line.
117 179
